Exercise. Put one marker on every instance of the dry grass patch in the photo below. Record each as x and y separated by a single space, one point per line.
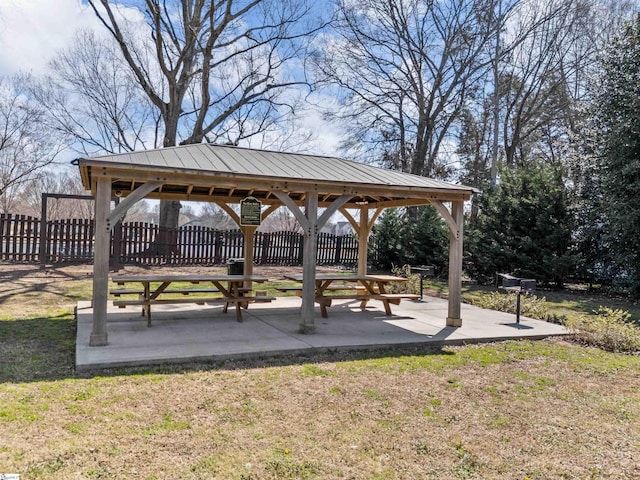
516 410
511 410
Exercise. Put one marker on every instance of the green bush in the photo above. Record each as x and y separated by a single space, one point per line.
412 285
530 305
608 329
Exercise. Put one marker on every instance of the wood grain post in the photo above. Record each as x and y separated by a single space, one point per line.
455 265
101 262
307 324
363 240
249 233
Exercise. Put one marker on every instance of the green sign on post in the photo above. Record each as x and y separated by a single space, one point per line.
250 212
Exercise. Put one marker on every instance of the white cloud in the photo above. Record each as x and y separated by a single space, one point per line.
32 31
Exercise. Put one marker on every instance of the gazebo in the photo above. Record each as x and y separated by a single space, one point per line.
227 175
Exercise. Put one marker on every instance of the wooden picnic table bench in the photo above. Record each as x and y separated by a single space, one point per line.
230 287
367 287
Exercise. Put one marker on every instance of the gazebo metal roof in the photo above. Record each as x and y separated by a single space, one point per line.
205 172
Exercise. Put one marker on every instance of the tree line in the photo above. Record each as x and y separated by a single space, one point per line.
534 103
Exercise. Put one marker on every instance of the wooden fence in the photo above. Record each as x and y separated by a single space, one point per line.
139 243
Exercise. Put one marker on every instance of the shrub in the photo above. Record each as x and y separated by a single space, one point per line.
412 285
608 329
530 305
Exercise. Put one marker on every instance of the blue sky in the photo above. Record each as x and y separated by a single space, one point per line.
32 31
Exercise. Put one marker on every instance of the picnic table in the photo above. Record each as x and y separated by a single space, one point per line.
152 290
367 287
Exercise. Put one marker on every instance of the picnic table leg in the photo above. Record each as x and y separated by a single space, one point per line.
144 296
239 311
387 307
146 308
324 303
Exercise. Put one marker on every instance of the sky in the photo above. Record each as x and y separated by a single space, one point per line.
32 31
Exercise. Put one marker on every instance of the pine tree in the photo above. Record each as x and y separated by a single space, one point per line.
616 118
524 227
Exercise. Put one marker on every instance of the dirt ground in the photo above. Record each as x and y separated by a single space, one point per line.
34 274
536 410
61 286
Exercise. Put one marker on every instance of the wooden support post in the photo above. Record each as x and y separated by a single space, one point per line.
248 233
309 222
307 324
455 265
114 261
363 240
101 262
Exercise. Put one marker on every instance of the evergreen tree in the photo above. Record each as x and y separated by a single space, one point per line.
388 239
616 119
425 241
524 227
416 236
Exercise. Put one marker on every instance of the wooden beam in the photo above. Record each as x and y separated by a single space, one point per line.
350 218
272 208
335 205
248 232
363 240
293 207
233 181
230 211
131 199
448 217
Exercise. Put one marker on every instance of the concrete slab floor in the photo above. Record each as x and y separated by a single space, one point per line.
184 333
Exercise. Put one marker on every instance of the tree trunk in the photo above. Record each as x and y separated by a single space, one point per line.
167 242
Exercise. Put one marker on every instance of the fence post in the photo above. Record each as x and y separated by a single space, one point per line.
301 254
217 247
42 253
115 260
266 240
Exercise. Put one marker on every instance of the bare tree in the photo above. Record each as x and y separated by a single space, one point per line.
94 100
530 87
213 216
27 144
64 181
526 110
207 65
545 63
407 68
281 221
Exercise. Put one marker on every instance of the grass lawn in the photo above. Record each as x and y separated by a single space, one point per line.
511 410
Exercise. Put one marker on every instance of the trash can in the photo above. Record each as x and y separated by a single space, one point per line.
235 266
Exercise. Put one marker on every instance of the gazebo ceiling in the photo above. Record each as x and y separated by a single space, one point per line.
212 173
